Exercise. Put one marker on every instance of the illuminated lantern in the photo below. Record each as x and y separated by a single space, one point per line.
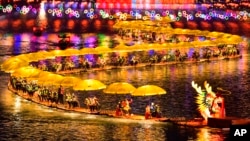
4 23
84 24
245 28
16 24
97 24
205 25
117 5
126 6
192 25
71 24
110 24
57 25
218 26
233 27
84 5
178 24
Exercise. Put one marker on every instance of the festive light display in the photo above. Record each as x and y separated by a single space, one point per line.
135 10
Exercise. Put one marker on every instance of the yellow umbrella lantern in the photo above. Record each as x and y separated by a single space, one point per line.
26 72
68 81
119 88
196 32
233 40
202 33
139 47
103 49
13 64
88 51
209 43
25 57
155 46
71 51
42 74
213 34
204 43
121 48
184 45
11 60
57 53
41 55
89 85
178 31
49 78
148 90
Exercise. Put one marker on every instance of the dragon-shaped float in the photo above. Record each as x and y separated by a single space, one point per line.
210 104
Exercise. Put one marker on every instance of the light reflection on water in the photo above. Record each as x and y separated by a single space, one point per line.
23 120
231 75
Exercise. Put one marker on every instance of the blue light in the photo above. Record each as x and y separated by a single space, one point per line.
17 44
89 57
191 51
74 6
66 5
151 52
51 5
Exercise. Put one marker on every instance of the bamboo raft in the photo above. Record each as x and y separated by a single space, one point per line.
181 121
149 64
108 113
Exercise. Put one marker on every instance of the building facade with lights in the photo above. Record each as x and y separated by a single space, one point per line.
131 1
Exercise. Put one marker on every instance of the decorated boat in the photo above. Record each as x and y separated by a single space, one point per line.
211 106
109 113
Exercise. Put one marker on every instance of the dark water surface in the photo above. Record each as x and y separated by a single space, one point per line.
23 120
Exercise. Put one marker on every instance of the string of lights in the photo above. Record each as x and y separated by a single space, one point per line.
85 11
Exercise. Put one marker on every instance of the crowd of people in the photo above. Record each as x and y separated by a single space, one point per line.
152 111
132 59
49 95
44 94
123 107
59 96
148 36
92 103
